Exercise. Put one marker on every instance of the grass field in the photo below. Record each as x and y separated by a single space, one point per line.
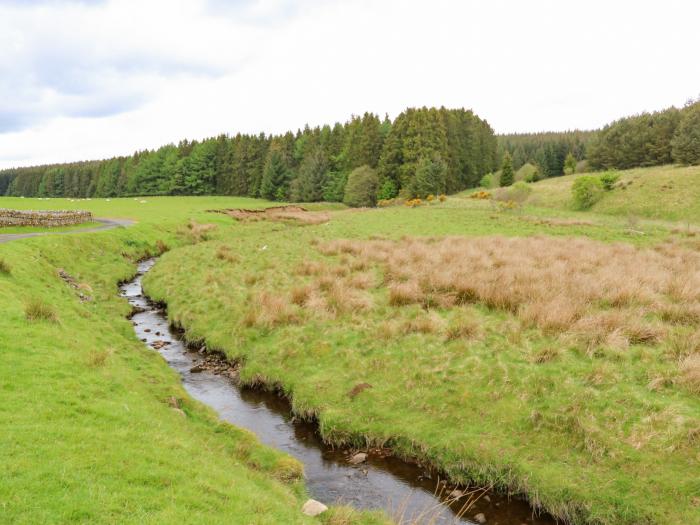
544 351
89 430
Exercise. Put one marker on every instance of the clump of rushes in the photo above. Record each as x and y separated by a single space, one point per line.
37 310
5 268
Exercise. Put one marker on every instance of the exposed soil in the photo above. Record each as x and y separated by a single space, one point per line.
290 213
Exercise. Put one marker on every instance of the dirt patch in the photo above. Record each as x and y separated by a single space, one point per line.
295 214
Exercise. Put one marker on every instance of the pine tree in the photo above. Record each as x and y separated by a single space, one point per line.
507 170
686 141
274 180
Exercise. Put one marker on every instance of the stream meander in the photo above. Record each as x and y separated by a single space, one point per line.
405 490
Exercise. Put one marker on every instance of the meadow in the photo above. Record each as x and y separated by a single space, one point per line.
95 428
539 350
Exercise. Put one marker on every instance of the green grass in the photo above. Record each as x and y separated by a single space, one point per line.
515 408
670 193
88 431
89 435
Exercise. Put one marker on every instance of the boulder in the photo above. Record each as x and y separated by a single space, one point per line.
313 508
358 458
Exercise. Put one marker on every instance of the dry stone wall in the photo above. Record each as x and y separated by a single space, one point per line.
44 219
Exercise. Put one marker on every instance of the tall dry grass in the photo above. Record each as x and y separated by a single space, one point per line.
613 294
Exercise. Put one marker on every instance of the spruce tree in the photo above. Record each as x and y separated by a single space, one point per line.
274 179
686 141
507 170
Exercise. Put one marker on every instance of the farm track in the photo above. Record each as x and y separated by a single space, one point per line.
106 224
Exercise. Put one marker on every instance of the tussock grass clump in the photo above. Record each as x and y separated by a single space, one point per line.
269 310
223 253
37 310
690 373
605 293
5 267
98 358
427 323
196 232
463 326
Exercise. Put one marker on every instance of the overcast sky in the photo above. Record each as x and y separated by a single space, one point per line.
92 79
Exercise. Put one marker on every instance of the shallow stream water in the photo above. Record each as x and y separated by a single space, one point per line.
408 492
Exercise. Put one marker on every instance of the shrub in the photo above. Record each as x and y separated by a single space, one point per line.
487 181
361 189
587 190
37 310
609 178
528 172
387 191
483 194
5 268
569 164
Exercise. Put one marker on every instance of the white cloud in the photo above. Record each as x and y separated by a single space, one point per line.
95 79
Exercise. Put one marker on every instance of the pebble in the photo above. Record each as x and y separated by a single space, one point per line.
358 458
480 518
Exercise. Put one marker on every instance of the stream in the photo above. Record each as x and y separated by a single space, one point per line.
408 492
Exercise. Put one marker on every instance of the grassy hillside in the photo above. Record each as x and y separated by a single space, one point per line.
90 430
669 193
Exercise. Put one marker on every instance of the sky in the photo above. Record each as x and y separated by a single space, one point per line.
88 79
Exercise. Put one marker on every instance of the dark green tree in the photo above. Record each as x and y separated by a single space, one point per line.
507 174
361 189
686 140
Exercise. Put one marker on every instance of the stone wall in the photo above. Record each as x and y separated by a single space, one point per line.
44 219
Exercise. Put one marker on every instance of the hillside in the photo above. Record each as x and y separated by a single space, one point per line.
663 192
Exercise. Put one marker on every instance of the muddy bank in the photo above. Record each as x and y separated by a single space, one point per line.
364 479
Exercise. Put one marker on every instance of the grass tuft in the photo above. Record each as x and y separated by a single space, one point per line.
37 310
5 267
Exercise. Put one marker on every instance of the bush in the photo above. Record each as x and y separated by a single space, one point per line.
609 178
569 164
587 190
487 181
528 173
4 267
388 190
361 189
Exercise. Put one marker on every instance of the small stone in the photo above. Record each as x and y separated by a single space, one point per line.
456 494
147 330
196 369
487 498
358 458
480 518
313 508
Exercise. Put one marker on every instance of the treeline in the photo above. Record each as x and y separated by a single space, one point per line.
425 150
547 151
649 139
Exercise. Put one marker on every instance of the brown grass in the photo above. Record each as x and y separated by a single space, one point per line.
425 323
223 253
269 310
196 232
37 310
690 373
609 294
